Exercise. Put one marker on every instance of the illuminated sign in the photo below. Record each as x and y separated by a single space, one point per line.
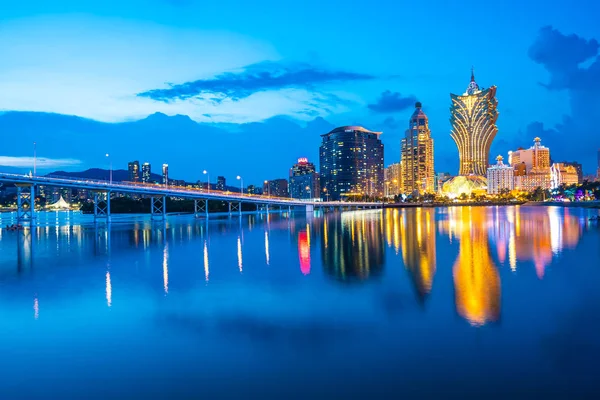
303 160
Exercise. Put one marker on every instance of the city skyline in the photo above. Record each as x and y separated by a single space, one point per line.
228 73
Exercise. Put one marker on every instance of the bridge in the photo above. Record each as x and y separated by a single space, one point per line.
103 190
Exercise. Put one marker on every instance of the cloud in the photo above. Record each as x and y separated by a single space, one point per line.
390 102
573 64
391 122
259 77
41 162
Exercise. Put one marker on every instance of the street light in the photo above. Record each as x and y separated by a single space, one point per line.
268 188
309 192
326 194
241 184
207 180
34 158
110 170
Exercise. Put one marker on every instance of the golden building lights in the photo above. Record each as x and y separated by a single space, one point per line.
417 173
473 118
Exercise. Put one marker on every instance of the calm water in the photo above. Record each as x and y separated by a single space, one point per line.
360 304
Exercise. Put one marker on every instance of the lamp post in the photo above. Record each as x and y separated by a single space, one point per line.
34 158
207 180
309 192
268 188
241 184
326 194
110 168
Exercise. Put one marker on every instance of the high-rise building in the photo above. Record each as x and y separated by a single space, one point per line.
578 169
134 171
351 162
473 118
304 180
221 182
276 187
500 177
564 174
165 174
532 167
417 155
146 172
536 158
392 177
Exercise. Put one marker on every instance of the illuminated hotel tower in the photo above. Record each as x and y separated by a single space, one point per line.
473 119
417 155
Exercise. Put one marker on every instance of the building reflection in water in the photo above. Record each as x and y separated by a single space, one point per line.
36 308
352 245
239 253
166 268
476 278
206 268
416 228
267 255
304 251
108 289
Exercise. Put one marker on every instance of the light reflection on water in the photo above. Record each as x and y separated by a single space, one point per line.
271 289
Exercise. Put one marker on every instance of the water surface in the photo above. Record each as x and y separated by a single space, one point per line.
416 302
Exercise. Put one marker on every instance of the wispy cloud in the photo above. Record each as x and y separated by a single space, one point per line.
41 162
390 102
259 77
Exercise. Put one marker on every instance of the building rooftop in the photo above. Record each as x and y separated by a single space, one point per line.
351 128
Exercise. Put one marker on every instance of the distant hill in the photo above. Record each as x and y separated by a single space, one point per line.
118 175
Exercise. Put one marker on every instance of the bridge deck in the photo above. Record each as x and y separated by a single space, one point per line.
171 191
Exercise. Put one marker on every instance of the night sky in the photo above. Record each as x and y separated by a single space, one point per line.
350 62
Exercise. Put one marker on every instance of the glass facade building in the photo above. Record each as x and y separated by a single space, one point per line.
146 172
351 162
417 155
134 171
304 180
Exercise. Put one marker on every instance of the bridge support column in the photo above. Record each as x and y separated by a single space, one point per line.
201 207
309 208
26 204
233 207
158 208
102 206
289 210
258 208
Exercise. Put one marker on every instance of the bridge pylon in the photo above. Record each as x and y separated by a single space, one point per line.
200 208
235 207
102 205
158 208
25 204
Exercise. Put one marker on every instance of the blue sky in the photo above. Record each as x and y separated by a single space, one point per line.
349 62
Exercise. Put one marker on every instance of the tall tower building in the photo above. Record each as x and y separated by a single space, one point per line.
598 171
134 171
146 172
221 183
165 174
473 118
417 155
500 176
304 180
351 161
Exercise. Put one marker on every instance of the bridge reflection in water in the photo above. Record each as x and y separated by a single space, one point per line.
352 245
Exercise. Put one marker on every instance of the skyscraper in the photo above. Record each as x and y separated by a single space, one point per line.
276 187
351 161
392 176
133 168
598 171
473 118
500 177
532 166
304 180
220 183
165 174
417 155
146 172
